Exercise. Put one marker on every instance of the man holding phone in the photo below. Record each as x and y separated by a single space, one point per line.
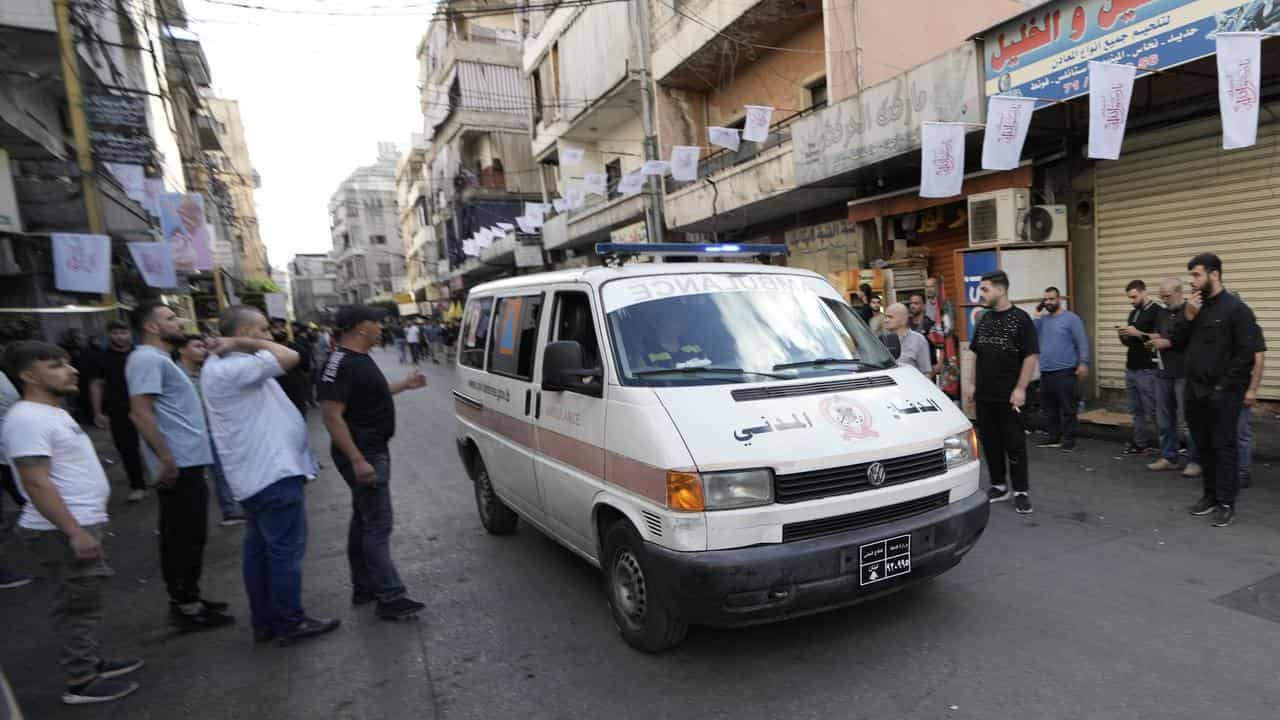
1140 367
1219 335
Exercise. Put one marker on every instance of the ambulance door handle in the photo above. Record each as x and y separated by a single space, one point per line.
537 407
528 397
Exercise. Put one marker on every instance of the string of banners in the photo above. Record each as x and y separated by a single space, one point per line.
1239 56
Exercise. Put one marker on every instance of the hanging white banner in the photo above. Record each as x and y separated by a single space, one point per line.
759 118
631 183
941 159
534 210
155 262
506 227
655 167
594 184
574 197
560 205
1110 89
1008 119
82 263
724 137
526 225
571 156
684 162
1239 80
469 247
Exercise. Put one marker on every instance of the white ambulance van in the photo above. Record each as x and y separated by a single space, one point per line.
728 442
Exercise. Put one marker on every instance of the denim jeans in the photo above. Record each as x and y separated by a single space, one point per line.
1244 442
1171 406
78 588
402 347
275 541
1141 387
369 537
226 501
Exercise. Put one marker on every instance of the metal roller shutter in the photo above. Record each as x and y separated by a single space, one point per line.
1175 193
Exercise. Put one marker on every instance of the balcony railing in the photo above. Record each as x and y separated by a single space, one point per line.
724 158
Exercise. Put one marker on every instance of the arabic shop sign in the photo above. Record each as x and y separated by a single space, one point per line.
1045 54
884 120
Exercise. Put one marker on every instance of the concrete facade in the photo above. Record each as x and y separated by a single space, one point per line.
233 169
313 284
365 227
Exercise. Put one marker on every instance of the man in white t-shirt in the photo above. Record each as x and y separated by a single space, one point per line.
262 442
8 579
66 512
413 337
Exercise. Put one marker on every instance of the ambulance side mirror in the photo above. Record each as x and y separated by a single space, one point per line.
563 369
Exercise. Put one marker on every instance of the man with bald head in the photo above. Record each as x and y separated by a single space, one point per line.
1171 387
914 348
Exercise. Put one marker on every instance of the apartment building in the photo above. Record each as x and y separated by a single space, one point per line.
364 222
234 174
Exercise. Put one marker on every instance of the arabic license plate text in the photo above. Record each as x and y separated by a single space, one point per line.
885 559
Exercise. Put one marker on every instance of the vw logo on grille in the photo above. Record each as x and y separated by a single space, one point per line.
876 474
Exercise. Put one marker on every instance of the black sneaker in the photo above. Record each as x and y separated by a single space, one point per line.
1068 446
10 579
216 606
109 669
98 690
307 629
1224 515
1022 503
362 598
1132 449
202 619
1203 506
998 493
1050 443
399 609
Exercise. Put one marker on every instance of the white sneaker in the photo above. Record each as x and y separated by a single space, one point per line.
137 495
1192 471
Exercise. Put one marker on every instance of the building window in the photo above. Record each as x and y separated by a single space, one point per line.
613 175
386 287
361 271
421 208
329 268
353 210
818 94
378 239
384 270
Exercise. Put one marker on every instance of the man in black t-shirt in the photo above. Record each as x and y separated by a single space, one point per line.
361 419
1140 379
1008 351
109 396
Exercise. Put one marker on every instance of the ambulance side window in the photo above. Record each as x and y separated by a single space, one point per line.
515 335
574 321
475 333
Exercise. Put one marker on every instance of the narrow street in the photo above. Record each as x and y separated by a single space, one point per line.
1108 602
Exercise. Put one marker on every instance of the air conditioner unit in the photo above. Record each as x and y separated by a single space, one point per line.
1044 224
995 217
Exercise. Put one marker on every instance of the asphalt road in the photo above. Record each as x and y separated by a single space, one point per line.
1108 602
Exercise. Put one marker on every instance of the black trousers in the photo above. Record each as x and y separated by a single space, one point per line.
1001 433
1213 419
125 437
1058 399
184 521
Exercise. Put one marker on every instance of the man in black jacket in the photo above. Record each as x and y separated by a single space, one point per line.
1218 336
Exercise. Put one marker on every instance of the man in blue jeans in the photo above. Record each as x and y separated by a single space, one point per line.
266 458
1171 386
361 418
1064 358
1244 431
1140 367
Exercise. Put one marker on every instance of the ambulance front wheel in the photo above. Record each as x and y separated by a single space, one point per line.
635 595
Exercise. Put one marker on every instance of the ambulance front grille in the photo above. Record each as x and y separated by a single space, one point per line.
826 482
818 388
865 519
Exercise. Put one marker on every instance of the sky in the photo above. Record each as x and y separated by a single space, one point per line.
317 93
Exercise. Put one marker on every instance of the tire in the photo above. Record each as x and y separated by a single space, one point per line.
497 518
635 596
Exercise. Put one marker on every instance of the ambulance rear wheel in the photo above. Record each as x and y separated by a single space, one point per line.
635 597
496 517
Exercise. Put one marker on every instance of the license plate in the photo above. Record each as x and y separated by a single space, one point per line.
879 561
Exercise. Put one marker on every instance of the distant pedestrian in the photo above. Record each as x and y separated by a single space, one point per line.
913 348
876 323
1064 360
412 337
9 397
1171 386
361 418
1244 435
920 322
864 303
1140 367
1218 334
109 396
191 355
402 345
267 460
170 418
433 335
1007 349
64 520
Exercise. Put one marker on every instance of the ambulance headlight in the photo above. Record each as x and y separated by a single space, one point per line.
962 448
737 489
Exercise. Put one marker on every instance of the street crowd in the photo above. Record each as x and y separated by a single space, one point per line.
185 411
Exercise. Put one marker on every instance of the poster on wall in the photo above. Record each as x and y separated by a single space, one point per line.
976 264
81 263
154 261
182 221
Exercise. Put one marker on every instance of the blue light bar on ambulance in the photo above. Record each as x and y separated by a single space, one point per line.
704 249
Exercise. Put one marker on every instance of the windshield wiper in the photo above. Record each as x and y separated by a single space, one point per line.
716 370
821 362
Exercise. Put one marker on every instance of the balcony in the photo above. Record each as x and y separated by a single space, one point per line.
593 223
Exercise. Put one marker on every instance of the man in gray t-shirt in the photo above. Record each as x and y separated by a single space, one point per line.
915 351
165 408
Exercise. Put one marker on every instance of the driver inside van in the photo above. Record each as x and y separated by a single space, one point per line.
670 348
